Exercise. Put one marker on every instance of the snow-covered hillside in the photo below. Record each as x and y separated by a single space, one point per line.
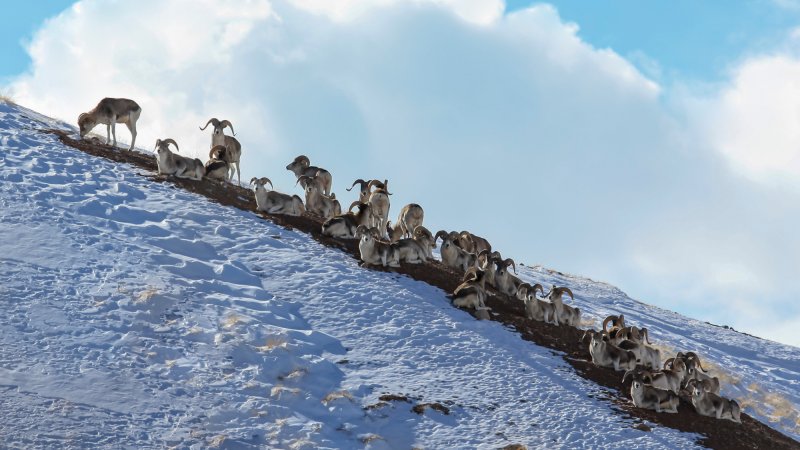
138 315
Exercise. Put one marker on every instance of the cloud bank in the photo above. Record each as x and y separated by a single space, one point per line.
508 125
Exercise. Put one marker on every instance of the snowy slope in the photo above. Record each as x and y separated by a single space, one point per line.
137 315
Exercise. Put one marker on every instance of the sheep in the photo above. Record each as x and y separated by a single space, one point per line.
605 354
317 202
453 255
379 203
273 202
375 252
417 249
503 280
217 166
566 314
232 145
488 262
712 405
471 293
670 379
536 309
710 384
473 243
302 166
111 111
344 226
645 355
171 164
651 397
410 218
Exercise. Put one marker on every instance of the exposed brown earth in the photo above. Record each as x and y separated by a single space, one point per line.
717 434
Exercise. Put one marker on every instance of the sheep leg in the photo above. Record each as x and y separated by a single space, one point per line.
108 133
132 128
114 130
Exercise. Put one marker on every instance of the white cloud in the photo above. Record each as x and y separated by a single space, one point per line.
754 121
569 155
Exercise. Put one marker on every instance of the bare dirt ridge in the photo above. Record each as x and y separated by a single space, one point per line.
716 434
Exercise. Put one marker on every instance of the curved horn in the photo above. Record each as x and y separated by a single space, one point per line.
442 233
358 181
303 158
168 141
622 320
350 209
213 121
265 180
567 290
608 319
227 123
472 273
302 178
510 261
158 143
215 149
374 183
538 287
668 362
252 180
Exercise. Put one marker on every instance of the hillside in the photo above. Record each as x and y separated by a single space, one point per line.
144 315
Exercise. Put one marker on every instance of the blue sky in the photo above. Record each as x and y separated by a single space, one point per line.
21 21
656 148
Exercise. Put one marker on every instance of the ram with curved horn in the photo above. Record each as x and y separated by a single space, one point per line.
417 249
453 255
217 166
471 293
233 147
504 281
301 166
606 354
316 201
373 251
344 226
473 243
536 309
410 218
712 405
488 262
274 202
111 111
172 164
566 314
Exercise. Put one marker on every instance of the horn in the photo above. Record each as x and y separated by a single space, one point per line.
168 141
471 274
213 121
668 362
358 181
227 123
608 319
265 180
567 290
539 287
622 320
440 233
511 262
303 158
350 209
216 148
158 143
252 180
373 183
302 178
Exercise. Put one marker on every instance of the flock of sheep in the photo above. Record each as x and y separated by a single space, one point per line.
619 347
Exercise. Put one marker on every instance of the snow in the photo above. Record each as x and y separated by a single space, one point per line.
138 315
